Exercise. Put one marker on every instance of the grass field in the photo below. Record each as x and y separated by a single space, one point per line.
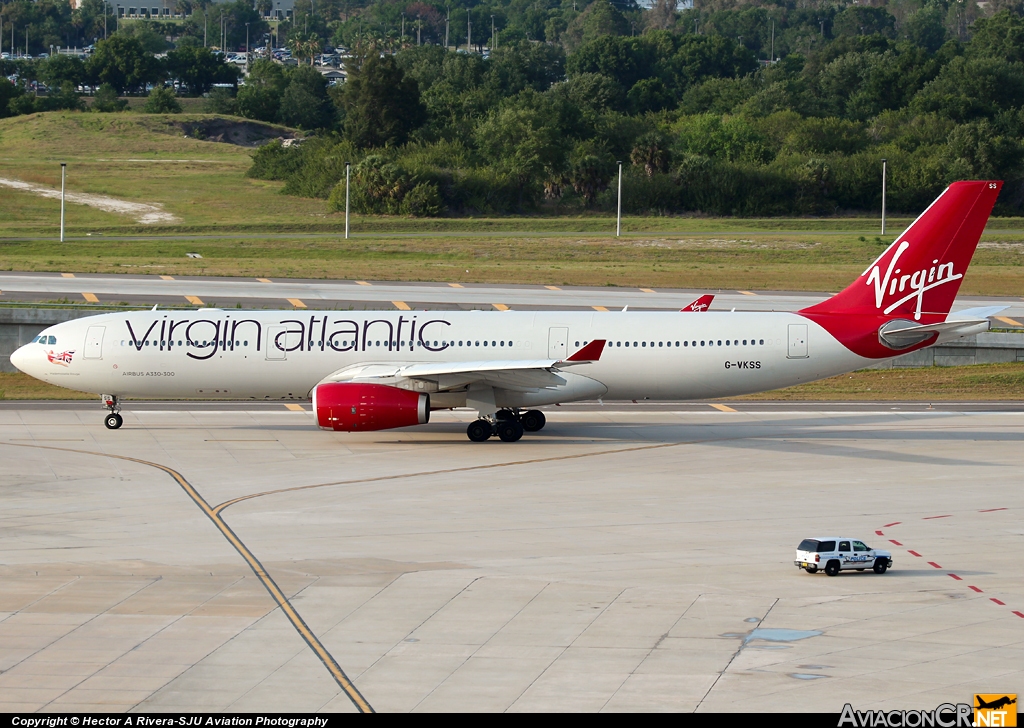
246 227
931 384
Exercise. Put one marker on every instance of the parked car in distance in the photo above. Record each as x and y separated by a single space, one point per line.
834 554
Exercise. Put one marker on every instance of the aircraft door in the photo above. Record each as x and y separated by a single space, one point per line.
94 342
558 340
277 342
797 341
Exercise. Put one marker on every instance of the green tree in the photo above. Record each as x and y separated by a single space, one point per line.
57 69
8 93
121 62
107 100
199 68
590 169
220 101
260 97
305 103
382 106
161 100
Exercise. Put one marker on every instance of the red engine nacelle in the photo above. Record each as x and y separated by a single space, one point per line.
363 407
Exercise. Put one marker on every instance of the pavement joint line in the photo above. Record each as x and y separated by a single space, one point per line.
466 469
194 300
90 297
401 305
296 302
361 704
932 518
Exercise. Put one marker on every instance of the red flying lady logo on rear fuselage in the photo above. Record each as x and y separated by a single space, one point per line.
63 359
920 281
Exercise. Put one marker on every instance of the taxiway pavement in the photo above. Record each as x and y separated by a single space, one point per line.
625 558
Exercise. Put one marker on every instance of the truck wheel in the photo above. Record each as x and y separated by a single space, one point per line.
881 565
832 568
811 569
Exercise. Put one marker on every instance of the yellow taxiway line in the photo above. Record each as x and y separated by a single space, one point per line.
195 300
722 408
90 297
296 302
401 305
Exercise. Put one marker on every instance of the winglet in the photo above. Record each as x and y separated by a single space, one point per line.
590 352
701 304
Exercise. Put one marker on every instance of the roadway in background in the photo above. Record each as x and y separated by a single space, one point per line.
284 293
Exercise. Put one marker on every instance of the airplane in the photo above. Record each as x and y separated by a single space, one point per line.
701 304
378 370
995 704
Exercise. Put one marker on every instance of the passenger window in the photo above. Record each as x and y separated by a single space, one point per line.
643 343
744 342
762 342
826 547
685 343
719 342
659 344
844 545
702 343
726 342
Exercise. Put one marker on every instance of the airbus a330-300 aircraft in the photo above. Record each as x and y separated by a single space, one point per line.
380 370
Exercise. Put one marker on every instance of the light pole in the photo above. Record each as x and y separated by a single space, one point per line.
773 41
884 170
493 45
246 49
403 27
348 170
469 35
447 24
63 169
618 214
204 29
419 28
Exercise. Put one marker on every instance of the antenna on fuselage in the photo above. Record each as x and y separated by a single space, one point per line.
625 308
154 307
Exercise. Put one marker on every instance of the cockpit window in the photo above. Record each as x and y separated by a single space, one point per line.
52 340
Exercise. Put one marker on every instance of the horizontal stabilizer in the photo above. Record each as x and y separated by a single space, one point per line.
902 334
982 312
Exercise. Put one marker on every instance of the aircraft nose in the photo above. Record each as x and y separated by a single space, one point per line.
20 359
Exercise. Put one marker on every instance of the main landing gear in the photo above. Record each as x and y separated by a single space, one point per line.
508 424
113 419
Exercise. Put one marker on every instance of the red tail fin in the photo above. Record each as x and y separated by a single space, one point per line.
701 304
919 275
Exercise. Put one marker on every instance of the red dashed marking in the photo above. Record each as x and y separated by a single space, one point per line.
956 577
932 518
1019 614
894 523
1001 604
895 542
932 563
969 586
914 553
992 510
879 533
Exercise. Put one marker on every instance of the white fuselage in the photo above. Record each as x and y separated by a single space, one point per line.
235 354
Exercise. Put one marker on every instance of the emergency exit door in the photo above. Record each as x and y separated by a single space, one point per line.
797 341
558 340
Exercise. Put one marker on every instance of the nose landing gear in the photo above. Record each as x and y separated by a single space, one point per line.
113 419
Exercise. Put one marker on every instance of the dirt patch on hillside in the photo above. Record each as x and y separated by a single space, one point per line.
231 131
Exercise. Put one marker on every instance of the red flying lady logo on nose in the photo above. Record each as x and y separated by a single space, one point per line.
62 359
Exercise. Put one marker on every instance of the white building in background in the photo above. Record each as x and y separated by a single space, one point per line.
168 9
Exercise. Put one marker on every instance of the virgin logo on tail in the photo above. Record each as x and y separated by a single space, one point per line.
919 281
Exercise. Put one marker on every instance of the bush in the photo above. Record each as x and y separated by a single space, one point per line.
221 101
162 101
107 100
423 200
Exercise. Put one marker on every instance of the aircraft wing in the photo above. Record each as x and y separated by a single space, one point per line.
514 374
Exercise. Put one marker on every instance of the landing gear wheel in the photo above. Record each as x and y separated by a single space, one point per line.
880 566
479 430
113 421
811 569
832 568
533 420
510 430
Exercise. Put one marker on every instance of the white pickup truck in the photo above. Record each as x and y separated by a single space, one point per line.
835 554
